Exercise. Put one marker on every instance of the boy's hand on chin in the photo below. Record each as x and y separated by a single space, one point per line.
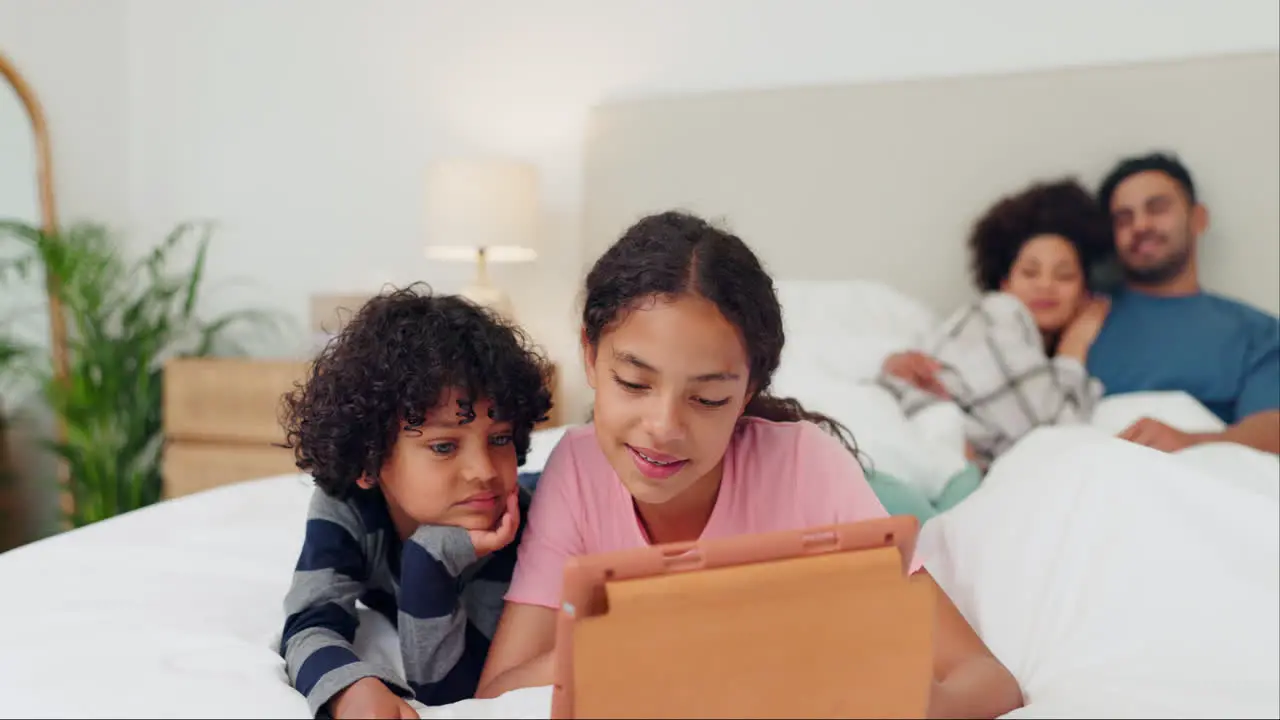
490 541
370 698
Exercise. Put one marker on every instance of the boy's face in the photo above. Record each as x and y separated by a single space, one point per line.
457 469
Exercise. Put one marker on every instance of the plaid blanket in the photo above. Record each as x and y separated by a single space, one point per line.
995 368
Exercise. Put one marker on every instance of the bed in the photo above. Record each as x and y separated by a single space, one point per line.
1113 580
175 611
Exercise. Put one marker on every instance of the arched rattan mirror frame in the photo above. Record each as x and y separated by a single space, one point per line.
48 221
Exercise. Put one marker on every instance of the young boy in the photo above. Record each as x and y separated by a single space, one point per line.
413 423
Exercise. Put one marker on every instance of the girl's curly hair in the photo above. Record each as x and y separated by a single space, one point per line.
1062 207
391 365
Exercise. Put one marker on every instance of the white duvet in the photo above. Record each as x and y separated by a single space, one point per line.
1113 580
1118 581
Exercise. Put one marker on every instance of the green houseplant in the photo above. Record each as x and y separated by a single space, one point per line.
12 351
124 319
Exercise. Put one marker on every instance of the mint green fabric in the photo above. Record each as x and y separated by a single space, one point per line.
899 498
959 487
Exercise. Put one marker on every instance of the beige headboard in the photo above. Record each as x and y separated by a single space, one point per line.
882 181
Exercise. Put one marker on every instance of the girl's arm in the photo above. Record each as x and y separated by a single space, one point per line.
521 653
968 680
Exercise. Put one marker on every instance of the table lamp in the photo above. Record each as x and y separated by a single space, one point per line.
482 211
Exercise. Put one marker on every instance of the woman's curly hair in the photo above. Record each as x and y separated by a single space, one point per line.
391 365
1062 207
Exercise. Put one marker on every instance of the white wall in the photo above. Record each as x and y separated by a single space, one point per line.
72 53
303 126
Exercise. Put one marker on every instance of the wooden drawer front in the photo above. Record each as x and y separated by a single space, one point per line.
191 467
230 399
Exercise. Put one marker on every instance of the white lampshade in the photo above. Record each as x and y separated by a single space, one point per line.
482 204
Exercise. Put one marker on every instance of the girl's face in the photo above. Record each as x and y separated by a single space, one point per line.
670 381
1047 277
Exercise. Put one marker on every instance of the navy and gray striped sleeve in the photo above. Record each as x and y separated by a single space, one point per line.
320 612
449 608
442 655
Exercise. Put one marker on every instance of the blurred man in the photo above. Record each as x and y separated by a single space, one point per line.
1164 332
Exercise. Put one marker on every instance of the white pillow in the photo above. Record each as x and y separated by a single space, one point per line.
838 335
851 309
840 331
920 452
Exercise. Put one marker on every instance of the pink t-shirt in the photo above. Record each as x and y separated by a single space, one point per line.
777 476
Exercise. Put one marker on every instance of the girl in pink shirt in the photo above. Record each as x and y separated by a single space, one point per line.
682 332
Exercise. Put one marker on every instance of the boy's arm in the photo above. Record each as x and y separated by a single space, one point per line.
444 650
443 653
320 613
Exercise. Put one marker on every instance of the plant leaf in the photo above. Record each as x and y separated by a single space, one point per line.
124 320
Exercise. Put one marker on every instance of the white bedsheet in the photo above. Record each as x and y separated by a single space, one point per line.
174 611
1114 581
169 612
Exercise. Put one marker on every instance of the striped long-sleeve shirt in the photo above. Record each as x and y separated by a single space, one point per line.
994 367
444 603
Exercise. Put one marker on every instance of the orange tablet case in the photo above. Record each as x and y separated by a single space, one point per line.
820 623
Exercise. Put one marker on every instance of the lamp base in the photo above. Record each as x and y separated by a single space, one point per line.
490 297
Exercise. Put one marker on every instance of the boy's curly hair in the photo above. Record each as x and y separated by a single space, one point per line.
391 365
1062 207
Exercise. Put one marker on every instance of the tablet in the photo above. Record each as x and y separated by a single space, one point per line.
822 622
